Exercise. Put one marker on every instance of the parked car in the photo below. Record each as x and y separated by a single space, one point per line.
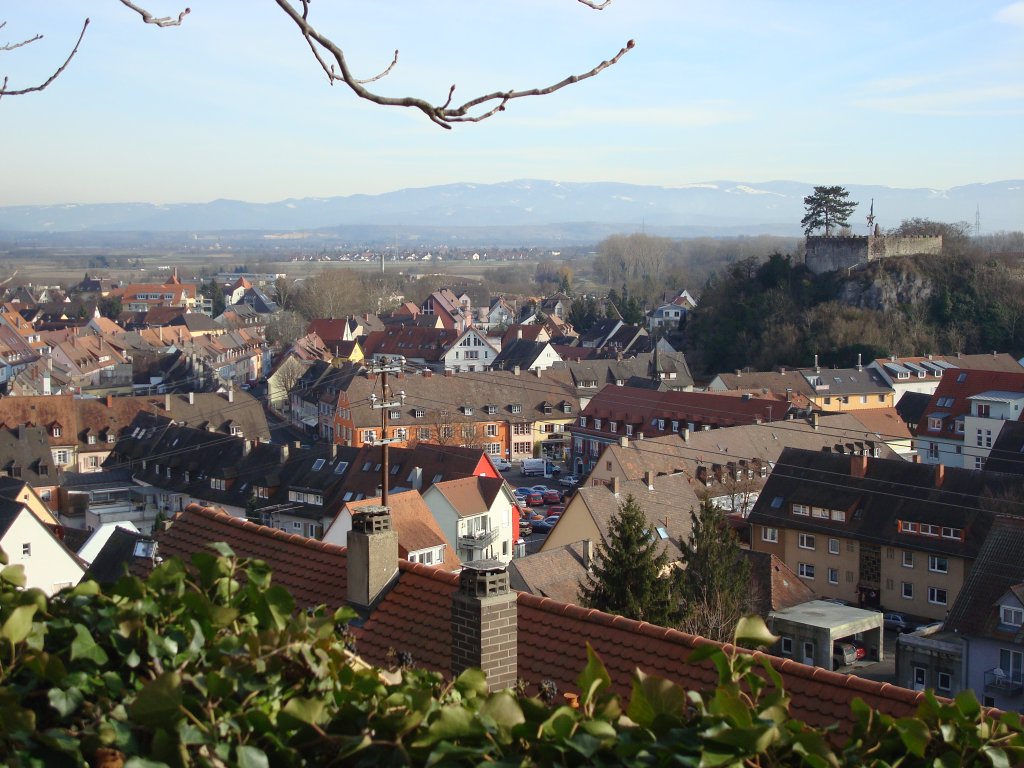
500 464
897 621
539 488
843 654
552 497
532 467
555 509
522 493
525 527
569 481
545 525
535 499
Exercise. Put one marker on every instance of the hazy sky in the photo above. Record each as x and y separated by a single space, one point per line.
911 93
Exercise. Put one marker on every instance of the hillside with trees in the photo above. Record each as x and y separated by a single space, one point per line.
762 314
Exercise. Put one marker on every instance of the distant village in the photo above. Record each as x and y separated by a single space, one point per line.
410 461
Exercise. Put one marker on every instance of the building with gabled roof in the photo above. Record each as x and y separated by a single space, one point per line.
420 538
48 564
636 413
878 533
478 514
966 413
980 645
847 389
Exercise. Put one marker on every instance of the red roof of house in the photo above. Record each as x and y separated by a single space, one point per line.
961 384
414 616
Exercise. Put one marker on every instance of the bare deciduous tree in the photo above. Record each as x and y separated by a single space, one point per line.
332 60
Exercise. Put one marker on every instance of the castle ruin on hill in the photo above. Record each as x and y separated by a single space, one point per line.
828 254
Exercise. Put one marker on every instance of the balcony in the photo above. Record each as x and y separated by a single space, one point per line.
478 539
1004 683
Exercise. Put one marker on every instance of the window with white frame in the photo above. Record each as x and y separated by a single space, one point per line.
801 509
218 484
369 435
936 596
938 564
786 646
262 492
833 546
492 430
907 590
805 541
597 423
944 681
805 570
583 421
1011 616
908 559
833 575
770 534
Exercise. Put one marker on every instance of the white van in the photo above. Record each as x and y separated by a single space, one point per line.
532 467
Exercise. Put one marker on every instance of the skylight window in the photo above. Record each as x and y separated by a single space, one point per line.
777 502
318 464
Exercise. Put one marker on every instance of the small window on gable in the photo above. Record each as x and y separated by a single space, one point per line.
1011 616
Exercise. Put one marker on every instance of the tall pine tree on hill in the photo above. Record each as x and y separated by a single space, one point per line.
628 577
714 588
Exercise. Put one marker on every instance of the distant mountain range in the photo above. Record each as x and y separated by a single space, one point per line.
528 212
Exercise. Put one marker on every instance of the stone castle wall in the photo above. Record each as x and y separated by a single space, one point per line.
829 254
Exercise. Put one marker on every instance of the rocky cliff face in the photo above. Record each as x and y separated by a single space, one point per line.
885 290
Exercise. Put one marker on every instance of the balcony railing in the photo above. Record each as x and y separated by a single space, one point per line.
478 539
1006 683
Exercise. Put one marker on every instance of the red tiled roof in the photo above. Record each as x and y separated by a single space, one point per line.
415 617
313 572
974 383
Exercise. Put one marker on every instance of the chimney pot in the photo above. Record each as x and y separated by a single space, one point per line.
588 553
484 624
649 479
615 485
372 555
624 442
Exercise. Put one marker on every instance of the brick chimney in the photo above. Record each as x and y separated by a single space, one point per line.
649 479
624 441
484 623
588 553
615 485
110 401
858 465
372 556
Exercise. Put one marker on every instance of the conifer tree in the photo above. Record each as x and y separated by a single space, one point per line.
827 208
714 588
628 577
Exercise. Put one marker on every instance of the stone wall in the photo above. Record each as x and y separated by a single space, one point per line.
829 254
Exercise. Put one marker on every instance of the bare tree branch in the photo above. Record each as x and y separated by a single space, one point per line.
331 59
32 89
445 115
162 21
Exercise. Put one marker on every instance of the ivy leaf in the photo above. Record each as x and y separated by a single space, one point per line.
65 701
221 548
159 701
141 762
471 682
87 588
914 734
18 624
592 679
503 708
84 647
251 757
452 723
652 697
996 756
751 631
13 575
305 711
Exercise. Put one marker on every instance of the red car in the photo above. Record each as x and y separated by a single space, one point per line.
552 497
535 499
555 510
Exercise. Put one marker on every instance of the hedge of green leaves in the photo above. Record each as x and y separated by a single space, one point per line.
213 666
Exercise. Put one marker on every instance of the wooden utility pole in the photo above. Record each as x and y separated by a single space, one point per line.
384 367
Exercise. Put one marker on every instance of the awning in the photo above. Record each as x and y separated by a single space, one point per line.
309 421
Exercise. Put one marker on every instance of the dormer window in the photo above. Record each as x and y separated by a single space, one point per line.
236 431
111 437
597 423
1011 616
467 410
419 413
91 439
547 408
566 408
491 409
55 431
613 427
629 430
934 424
517 408
583 421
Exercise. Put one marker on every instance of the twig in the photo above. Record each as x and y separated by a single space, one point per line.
51 78
445 115
162 21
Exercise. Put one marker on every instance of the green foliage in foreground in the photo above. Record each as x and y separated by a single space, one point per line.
213 667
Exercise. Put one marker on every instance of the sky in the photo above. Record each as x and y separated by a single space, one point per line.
231 104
